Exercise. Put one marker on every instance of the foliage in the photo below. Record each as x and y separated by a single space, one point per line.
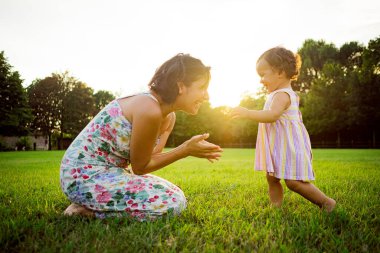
4 146
314 55
217 122
343 89
45 102
189 125
368 89
78 108
326 103
102 98
23 143
349 55
228 209
339 90
60 103
14 109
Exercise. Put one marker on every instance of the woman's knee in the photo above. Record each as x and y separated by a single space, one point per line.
179 202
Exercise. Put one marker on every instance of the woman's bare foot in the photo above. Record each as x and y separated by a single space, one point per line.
329 205
75 209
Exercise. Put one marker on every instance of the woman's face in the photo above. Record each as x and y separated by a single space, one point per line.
191 97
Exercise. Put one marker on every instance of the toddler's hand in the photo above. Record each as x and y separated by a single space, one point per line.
239 112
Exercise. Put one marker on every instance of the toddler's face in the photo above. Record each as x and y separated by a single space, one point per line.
269 77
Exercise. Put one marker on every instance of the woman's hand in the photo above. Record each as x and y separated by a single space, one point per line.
198 146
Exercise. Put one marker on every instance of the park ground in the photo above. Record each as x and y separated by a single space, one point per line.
228 209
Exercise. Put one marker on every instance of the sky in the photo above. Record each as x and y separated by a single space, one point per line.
117 45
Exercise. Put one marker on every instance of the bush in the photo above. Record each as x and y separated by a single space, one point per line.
22 143
4 146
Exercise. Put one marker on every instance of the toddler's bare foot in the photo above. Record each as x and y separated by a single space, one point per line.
75 209
276 204
329 205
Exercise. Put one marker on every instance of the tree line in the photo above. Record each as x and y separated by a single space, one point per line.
58 106
340 100
339 90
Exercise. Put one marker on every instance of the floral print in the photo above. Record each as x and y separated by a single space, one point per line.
95 173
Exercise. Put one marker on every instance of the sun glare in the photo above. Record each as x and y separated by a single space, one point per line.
222 96
227 89
127 56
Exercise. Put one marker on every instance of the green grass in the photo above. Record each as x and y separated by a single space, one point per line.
228 209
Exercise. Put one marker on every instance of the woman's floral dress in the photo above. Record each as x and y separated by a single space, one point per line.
95 173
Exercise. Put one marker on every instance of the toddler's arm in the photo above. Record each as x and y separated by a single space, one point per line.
281 102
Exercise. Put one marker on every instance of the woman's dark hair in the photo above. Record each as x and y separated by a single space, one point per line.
181 68
282 59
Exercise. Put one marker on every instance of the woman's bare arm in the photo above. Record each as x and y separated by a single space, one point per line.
147 120
163 138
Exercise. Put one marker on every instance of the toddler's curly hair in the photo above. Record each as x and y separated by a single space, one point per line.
282 59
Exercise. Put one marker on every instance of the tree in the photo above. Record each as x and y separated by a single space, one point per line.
314 55
62 104
368 89
245 130
15 113
332 104
78 108
45 102
327 103
102 98
189 125
349 55
351 60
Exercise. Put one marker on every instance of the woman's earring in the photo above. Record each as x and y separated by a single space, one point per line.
180 85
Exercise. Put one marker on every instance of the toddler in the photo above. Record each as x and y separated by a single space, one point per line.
283 146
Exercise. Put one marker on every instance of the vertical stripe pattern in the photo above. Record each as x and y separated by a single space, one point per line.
283 147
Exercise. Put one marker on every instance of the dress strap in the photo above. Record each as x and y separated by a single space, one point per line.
287 90
146 93
293 96
151 96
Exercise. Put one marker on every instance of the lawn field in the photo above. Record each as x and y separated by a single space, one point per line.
228 209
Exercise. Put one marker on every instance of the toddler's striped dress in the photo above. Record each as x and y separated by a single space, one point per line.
283 147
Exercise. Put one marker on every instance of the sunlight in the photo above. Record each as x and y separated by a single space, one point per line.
119 49
225 94
230 82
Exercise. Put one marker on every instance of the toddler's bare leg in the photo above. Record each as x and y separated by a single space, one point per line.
276 193
311 193
75 209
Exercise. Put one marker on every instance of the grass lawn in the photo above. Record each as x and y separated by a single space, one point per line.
228 209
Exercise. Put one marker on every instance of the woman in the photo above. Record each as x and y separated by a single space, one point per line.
104 172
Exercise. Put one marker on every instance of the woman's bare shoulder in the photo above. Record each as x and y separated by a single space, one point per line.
139 105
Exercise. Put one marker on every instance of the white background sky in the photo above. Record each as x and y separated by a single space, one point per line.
116 45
